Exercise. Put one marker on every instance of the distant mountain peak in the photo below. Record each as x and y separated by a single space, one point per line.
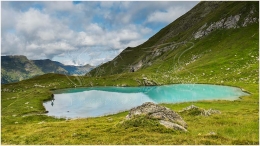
18 67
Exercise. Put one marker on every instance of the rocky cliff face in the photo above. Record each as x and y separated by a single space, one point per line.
190 19
231 22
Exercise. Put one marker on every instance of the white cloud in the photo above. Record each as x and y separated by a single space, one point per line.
30 21
93 29
167 16
59 6
46 35
107 4
8 18
83 39
102 28
11 44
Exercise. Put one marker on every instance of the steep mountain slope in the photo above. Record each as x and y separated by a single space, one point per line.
214 43
187 33
17 68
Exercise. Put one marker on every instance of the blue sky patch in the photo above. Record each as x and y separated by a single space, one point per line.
51 29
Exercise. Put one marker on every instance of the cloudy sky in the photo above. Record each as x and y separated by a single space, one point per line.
78 33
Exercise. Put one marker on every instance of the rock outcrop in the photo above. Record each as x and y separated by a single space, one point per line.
166 117
148 82
194 110
151 56
226 23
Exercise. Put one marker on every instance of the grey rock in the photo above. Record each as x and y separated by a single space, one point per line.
42 122
202 112
171 125
249 20
137 66
153 52
211 134
167 117
189 108
227 23
210 112
148 82
231 21
200 33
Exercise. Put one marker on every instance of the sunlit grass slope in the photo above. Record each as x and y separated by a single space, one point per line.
226 57
179 32
226 61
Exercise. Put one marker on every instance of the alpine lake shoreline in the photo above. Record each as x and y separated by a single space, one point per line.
23 122
225 56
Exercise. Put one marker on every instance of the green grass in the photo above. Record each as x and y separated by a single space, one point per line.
238 122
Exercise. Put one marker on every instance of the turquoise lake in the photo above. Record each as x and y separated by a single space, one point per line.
99 101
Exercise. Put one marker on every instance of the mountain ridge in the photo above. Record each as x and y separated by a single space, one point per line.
202 20
18 67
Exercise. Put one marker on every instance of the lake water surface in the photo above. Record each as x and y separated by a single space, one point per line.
99 101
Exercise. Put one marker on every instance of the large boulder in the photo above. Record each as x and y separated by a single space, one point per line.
166 117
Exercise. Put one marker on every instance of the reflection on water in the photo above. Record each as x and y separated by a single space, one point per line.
98 101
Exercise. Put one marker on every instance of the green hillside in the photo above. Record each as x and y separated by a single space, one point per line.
180 33
214 43
18 67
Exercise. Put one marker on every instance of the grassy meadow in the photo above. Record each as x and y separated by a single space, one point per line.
24 123
227 57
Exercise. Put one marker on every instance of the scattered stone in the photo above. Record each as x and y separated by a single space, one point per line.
194 110
210 112
14 115
6 90
148 82
74 134
27 103
211 134
109 119
167 117
41 122
249 20
36 85
224 23
145 78
16 122
171 125
231 21
189 108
